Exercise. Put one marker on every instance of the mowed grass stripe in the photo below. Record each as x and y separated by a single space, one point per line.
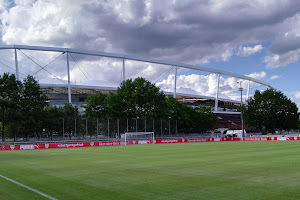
218 170
27 187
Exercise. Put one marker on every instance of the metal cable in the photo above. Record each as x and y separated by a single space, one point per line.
7 66
164 74
8 61
10 67
78 66
42 67
48 64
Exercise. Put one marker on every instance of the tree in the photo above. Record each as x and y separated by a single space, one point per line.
21 105
52 121
271 110
32 103
204 118
138 98
10 89
96 106
70 112
141 99
188 118
180 112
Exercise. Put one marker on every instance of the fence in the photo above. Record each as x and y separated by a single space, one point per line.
82 129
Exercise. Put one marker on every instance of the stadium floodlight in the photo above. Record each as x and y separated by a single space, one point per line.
242 120
140 136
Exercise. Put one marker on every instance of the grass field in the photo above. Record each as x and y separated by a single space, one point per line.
216 170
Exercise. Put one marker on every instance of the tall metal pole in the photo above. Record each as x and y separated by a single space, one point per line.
217 93
248 90
123 69
153 125
69 81
125 138
169 126
17 66
175 82
241 89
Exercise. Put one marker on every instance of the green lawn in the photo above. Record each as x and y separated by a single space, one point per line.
216 170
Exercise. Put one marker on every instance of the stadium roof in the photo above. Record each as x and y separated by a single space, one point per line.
109 86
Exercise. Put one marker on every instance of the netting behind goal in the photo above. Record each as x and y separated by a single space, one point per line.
138 136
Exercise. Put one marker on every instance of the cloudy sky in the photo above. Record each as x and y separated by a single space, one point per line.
257 38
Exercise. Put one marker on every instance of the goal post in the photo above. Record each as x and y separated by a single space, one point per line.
138 136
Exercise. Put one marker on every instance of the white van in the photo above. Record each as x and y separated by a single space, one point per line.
235 133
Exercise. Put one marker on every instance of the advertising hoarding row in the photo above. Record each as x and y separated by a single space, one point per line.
118 143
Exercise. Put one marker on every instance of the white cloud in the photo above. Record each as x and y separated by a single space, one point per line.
274 77
206 85
4 4
296 95
285 47
247 51
186 31
258 75
281 60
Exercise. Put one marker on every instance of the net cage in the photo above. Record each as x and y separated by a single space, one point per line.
140 137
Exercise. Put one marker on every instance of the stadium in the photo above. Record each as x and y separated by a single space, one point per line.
132 140
66 87
152 168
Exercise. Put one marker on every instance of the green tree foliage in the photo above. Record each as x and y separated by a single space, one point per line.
70 112
96 106
204 118
57 117
33 101
180 112
24 110
190 119
10 90
21 105
139 98
271 110
53 120
113 106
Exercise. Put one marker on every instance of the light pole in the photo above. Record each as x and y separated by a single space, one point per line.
241 89
169 127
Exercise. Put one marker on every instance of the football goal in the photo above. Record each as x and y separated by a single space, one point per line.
141 136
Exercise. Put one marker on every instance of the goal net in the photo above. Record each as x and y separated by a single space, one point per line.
142 137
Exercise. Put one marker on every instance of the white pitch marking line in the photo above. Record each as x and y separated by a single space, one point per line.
29 188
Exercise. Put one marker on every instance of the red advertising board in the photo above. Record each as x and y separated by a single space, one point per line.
255 139
290 138
168 141
118 143
198 140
